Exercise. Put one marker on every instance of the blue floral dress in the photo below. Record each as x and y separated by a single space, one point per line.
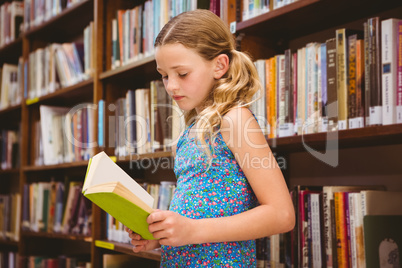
220 191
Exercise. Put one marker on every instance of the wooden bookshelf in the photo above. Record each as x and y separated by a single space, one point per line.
127 249
262 36
15 109
11 51
65 25
351 138
12 171
58 167
64 96
143 67
56 236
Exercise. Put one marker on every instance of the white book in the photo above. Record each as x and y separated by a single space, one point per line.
6 83
316 233
389 46
103 170
50 135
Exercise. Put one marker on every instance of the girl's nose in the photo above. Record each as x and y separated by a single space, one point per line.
171 85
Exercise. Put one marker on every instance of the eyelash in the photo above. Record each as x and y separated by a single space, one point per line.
166 77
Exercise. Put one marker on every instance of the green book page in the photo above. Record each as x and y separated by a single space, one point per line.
124 211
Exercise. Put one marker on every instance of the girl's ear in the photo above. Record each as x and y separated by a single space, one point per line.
221 65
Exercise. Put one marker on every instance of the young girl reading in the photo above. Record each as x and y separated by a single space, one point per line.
230 189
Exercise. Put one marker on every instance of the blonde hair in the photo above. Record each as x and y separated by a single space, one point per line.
206 34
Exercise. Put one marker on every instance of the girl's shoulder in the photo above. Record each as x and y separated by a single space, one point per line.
237 116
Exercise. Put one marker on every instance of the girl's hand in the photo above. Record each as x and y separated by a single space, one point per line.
139 243
171 228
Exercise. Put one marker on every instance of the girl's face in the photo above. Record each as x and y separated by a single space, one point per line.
188 78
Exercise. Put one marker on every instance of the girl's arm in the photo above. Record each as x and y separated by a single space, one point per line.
275 214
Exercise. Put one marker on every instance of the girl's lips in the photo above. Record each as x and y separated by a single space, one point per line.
177 97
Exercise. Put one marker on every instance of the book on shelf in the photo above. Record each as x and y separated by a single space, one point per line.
329 234
373 72
114 191
399 75
10 208
11 17
9 85
9 149
383 240
389 44
381 202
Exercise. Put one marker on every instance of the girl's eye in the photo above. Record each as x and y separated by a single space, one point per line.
182 75
164 77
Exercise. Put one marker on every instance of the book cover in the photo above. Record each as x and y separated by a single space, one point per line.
341 230
360 94
332 96
114 191
381 202
389 37
383 240
399 75
374 61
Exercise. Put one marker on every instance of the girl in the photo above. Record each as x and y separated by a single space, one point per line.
230 190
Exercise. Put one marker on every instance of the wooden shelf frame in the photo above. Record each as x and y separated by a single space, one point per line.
128 249
65 24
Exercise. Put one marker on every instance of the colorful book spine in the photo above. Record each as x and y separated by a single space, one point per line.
389 36
374 61
399 75
341 230
360 113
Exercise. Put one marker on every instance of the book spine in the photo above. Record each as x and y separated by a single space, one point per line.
332 84
360 83
352 228
352 98
280 94
272 98
366 76
267 96
388 56
399 75
341 72
316 230
327 226
294 88
341 233
374 48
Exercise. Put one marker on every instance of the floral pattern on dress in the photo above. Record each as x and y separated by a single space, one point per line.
203 191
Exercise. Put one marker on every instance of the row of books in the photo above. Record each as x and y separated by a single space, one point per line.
37 12
10 84
337 226
162 194
57 66
334 225
8 259
9 148
10 208
134 30
56 207
64 134
146 120
334 85
11 18
254 8
54 262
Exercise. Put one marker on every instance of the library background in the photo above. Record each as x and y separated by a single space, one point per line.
73 73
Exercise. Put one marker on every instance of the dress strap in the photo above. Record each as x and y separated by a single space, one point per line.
183 136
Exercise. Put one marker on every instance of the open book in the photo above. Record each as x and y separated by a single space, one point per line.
114 191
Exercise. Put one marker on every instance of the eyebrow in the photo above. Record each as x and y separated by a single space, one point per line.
174 67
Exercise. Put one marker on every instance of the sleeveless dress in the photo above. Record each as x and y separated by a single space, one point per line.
220 191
